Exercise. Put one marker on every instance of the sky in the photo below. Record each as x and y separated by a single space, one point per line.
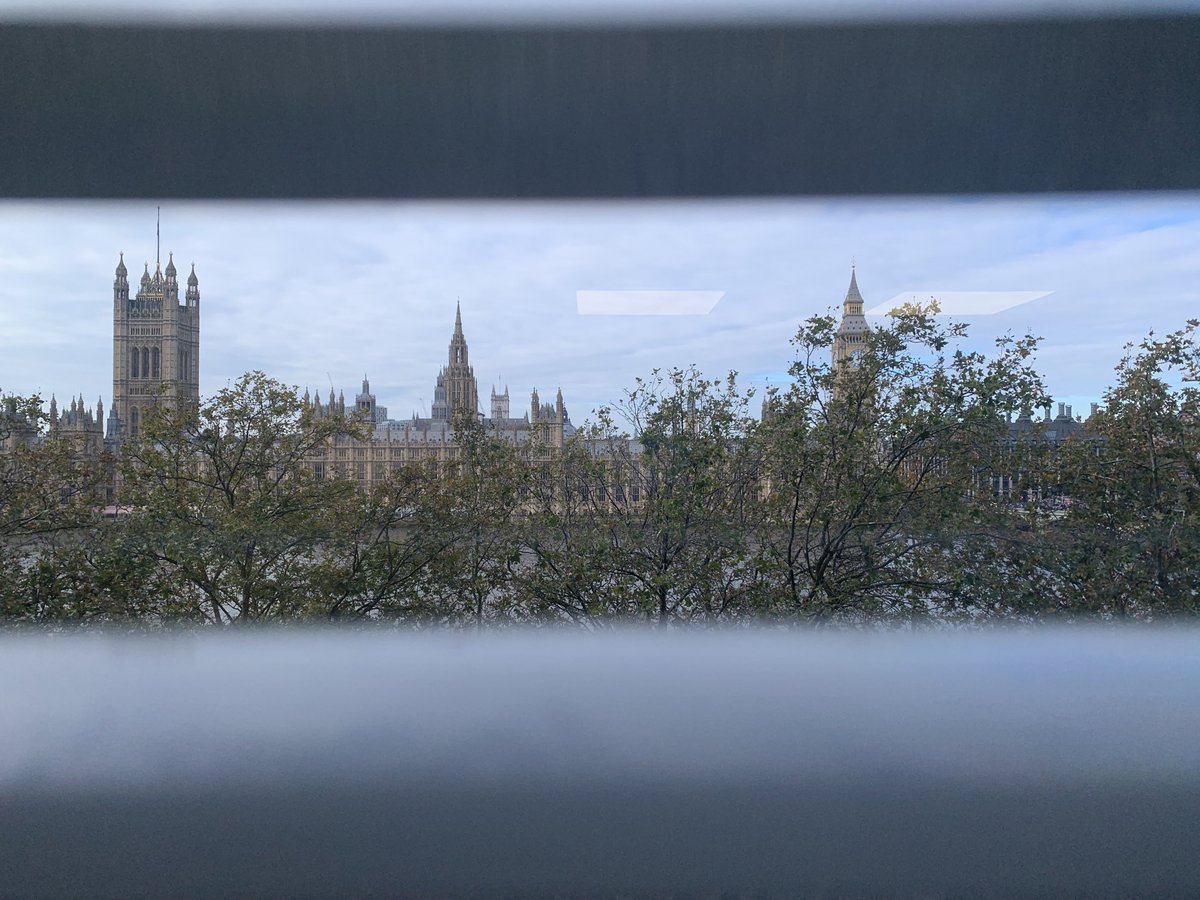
321 293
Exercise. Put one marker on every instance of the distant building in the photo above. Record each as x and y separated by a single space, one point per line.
156 363
394 443
456 391
1018 479
156 347
850 340
850 343
17 429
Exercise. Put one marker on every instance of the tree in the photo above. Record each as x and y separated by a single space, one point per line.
93 576
1134 525
567 576
228 506
50 489
477 494
47 484
379 563
643 519
871 472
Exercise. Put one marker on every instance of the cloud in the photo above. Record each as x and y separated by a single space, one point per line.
646 303
960 303
320 292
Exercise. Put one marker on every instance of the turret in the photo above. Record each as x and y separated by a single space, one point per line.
500 403
458 343
113 426
121 280
535 406
852 305
170 282
193 289
366 406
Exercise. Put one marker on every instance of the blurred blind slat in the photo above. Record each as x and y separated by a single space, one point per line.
410 111
1058 764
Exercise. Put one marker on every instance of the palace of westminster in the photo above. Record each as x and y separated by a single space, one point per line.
156 362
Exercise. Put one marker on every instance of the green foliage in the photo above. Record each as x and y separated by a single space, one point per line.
864 495
475 503
1136 519
46 484
870 474
644 522
375 563
225 502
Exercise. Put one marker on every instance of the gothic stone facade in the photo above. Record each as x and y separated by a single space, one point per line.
156 346
396 443
849 343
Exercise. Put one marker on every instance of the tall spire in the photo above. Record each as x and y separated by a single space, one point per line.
851 336
853 295
458 318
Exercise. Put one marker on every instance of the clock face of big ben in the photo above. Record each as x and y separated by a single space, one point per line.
856 356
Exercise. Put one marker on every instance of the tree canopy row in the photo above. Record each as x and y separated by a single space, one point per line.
893 491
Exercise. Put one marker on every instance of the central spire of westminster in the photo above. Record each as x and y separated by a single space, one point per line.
456 391
458 343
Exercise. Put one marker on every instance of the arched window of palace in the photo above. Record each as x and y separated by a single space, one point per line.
154 360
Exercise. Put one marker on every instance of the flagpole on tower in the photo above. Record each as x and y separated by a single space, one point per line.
158 238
